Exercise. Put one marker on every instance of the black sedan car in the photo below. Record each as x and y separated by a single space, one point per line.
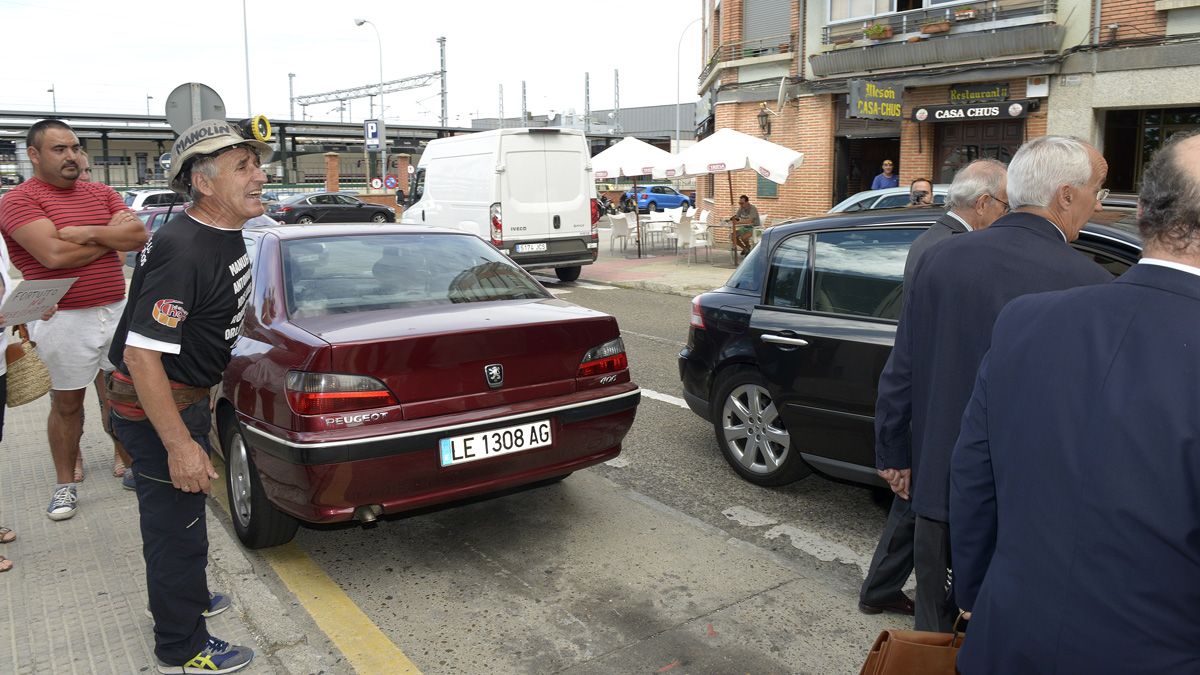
784 360
329 207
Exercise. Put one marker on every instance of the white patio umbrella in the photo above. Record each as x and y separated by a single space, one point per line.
729 150
629 158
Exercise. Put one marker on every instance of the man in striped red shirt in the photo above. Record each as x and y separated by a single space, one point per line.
58 227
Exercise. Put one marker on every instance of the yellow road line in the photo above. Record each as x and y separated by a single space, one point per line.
367 649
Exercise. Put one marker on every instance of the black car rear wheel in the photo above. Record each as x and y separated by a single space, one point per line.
378 218
256 521
751 432
304 220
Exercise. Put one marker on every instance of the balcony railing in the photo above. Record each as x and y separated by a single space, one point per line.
962 17
769 46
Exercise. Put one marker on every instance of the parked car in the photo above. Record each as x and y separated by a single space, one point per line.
784 360
154 218
381 369
656 198
887 198
146 199
329 207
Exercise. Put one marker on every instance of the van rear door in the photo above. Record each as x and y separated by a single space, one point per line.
544 188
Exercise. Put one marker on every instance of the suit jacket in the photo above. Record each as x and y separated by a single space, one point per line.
944 227
959 286
1075 506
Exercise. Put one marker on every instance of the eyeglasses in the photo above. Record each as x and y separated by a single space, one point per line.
1102 195
1007 208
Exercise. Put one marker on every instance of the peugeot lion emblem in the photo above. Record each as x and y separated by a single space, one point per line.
494 373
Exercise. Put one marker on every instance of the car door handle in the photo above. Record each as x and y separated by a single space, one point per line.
781 340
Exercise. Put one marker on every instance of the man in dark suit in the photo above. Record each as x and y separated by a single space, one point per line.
1082 438
976 198
958 288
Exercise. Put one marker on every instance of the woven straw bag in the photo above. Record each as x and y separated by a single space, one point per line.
28 377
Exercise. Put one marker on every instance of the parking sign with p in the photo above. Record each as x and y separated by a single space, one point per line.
371 134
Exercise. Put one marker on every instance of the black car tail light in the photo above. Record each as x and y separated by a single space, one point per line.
319 393
697 320
283 209
497 225
606 358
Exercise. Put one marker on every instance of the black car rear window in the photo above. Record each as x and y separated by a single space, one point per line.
359 273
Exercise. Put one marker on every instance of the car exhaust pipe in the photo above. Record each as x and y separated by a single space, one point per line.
368 514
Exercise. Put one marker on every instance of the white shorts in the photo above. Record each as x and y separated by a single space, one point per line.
74 344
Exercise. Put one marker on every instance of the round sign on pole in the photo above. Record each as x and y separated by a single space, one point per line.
164 160
376 183
390 181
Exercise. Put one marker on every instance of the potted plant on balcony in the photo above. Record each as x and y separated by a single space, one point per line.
935 27
877 31
965 13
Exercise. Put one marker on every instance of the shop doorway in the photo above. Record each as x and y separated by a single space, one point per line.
957 144
1131 138
858 160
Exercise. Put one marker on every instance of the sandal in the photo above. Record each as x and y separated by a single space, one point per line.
7 536
118 468
5 564
79 468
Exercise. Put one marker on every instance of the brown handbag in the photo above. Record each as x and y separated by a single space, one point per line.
913 652
28 377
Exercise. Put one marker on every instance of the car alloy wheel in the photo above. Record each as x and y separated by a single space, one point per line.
378 218
752 433
304 220
256 521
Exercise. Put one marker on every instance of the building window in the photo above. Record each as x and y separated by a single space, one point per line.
848 10
767 188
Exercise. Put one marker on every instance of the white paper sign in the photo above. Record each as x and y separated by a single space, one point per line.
30 299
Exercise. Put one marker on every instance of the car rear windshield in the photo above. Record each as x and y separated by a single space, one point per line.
360 273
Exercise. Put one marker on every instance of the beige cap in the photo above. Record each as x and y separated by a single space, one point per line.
205 138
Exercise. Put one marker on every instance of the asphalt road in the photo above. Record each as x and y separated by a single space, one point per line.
662 560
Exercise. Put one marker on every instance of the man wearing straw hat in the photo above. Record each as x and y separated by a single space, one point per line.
174 340
59 227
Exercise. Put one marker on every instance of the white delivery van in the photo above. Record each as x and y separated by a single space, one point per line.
528 191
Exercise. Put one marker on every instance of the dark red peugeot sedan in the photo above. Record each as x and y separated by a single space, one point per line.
383 368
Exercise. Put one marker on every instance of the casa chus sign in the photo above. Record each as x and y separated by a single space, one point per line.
876 101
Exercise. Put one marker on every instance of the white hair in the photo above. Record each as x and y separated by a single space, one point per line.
981 177
1045 164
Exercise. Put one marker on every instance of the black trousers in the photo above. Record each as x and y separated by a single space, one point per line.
174 537
893 560
936 608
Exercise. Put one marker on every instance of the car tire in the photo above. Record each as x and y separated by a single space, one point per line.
568 273
685 205
256 521
757 446
305 220
652 207
378 218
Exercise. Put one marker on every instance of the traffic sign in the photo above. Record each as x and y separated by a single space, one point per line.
376 183
371 133
164 160
390 181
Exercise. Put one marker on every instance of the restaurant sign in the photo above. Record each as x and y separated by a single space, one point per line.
876 101
978 112
961 94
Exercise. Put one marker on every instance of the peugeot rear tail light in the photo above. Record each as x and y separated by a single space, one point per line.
606 358
320 393
497 225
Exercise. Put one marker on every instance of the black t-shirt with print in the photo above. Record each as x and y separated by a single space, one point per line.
186 300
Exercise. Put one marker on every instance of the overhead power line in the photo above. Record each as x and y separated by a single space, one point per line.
404 83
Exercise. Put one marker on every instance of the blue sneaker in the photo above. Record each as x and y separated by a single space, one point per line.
62 504
217 603
127 481
217 657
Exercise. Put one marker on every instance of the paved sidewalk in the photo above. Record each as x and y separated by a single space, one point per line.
75 599
660 269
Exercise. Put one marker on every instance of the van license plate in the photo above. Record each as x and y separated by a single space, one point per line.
531 248
473 447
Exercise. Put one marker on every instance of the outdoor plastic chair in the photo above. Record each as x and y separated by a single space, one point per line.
620 230
691 244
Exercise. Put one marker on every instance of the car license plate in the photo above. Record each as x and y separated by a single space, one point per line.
473 447
531 248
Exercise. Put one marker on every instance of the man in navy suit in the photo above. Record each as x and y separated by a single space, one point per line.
959 286
1076 476
976 198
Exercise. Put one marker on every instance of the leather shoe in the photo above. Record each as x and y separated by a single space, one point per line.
901 605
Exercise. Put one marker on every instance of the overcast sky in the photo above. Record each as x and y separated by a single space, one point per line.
108 56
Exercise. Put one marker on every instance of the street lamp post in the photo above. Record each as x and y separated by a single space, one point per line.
291 97
246 47
53 98
148 97
382 141
678 47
